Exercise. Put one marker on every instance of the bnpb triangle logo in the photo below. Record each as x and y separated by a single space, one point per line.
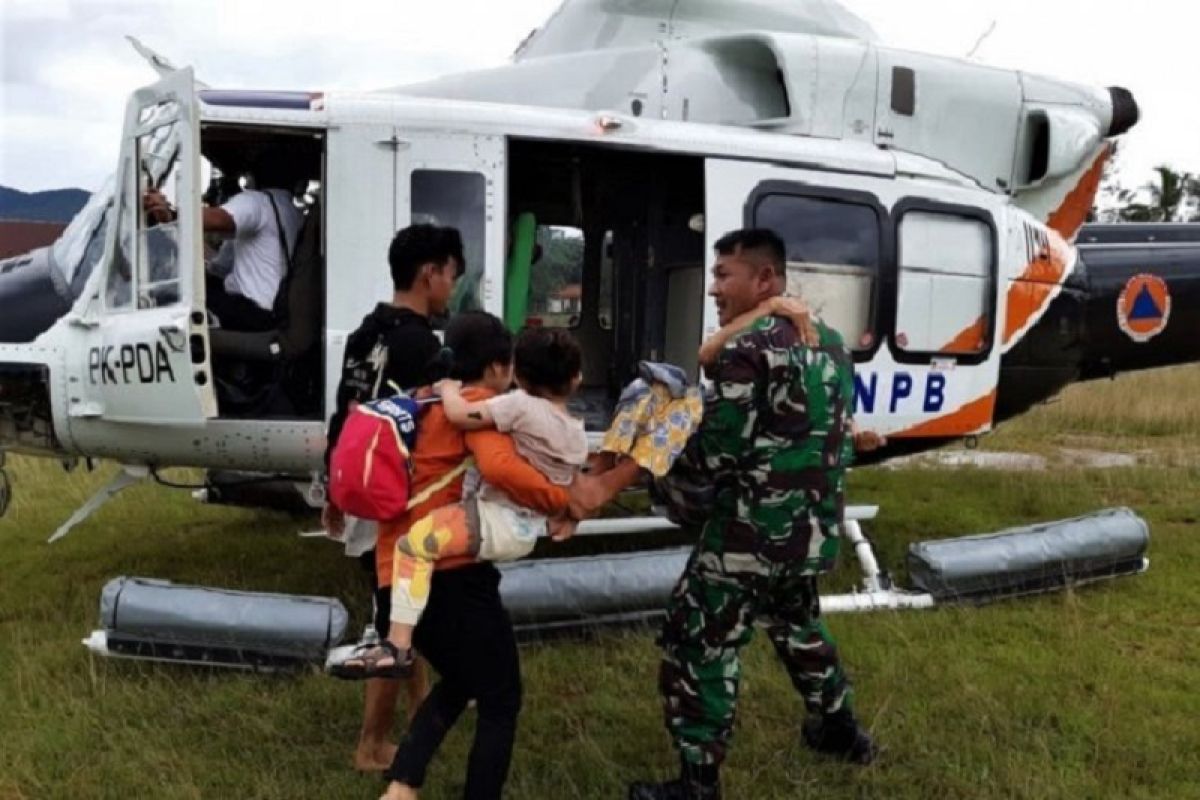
1144 307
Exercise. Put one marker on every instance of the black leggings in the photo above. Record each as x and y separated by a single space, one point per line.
467 636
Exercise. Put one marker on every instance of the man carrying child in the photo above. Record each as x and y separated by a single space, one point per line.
775 442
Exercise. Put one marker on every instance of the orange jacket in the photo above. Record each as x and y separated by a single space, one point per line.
440 448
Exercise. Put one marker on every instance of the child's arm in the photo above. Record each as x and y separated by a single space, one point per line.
461 412
796 311
792 308
711 348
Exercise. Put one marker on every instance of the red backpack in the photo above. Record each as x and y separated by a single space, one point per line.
370 469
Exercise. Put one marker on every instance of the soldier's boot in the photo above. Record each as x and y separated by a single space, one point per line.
839 735
695 783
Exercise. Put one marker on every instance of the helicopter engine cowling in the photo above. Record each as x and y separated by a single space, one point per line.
29 296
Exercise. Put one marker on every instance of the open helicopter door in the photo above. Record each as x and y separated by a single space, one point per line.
147 356
909 280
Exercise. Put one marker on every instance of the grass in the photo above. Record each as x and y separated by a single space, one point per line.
1156 405
1077 695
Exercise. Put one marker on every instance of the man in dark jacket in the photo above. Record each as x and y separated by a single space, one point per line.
394 349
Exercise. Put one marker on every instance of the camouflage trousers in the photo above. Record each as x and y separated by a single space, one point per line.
711 617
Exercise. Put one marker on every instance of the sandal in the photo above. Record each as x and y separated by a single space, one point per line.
364 663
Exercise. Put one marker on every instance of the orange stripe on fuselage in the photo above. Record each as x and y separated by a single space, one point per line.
1026 299
970 340
1073 212
1031 292
1028 296
971 418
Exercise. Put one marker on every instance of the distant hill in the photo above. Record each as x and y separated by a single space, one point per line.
58 205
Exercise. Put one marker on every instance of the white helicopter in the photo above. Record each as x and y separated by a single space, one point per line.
928 205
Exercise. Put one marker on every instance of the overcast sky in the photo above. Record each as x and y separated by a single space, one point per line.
67 68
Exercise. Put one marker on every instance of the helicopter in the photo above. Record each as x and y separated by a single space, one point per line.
930 207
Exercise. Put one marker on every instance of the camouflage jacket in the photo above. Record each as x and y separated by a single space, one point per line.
776 442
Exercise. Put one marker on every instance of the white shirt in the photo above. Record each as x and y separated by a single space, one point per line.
259 262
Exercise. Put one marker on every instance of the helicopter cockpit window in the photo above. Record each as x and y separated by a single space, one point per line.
556 279
145 265
944 296
118 289
78 250
459 200
832 259
157 154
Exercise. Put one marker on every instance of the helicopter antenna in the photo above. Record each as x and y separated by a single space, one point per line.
157 62
983 38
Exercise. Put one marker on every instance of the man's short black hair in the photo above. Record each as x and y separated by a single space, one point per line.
547 361
417 245
761 242
477 339
274 170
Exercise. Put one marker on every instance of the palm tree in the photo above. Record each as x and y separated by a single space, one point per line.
1166 196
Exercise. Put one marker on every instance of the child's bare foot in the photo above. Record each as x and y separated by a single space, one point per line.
398 791
374 756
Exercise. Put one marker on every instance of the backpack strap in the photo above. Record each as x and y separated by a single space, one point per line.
441 483
288 257
287 251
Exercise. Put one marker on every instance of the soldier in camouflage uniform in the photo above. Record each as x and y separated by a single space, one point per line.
776 441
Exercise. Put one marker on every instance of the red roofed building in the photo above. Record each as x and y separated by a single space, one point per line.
21 237
566 300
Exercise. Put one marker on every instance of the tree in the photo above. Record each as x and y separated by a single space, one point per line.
1172 197
1165 197
1170 193
560 265
1193 193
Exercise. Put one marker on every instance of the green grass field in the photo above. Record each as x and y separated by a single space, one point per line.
1083 694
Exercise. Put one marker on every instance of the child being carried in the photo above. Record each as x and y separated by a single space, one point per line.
486 525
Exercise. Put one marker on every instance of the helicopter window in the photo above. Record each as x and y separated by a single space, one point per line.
457 199
904 91
832 258
606 283
556 280
945 277
118 290
79 249
158 254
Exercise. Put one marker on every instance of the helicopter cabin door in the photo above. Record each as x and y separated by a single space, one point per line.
147 359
